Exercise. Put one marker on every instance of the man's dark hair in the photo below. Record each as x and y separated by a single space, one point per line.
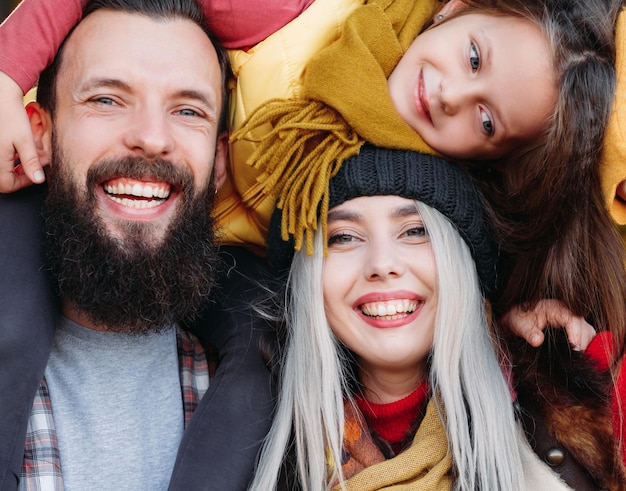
155 9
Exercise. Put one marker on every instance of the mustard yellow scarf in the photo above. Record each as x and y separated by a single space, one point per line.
345 103
425 466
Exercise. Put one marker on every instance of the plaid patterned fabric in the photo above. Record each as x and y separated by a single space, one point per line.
41 470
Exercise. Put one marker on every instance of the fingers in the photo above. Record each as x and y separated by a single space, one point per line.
525 325
530 325
29 161
579 333
27 172
16 137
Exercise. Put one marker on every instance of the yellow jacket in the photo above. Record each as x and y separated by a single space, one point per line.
272 68
613 164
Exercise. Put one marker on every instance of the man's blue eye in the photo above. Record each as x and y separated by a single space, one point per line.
188 112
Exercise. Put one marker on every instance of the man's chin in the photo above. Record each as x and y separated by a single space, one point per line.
130 235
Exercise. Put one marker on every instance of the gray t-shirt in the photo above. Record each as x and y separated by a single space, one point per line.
117 407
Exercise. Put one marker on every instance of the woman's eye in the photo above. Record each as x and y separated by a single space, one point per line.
416 232
474 57
486 122
341 238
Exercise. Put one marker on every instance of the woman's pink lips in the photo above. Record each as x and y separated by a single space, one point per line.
386 296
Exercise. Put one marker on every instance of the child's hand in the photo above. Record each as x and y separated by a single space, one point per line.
16 137
530 325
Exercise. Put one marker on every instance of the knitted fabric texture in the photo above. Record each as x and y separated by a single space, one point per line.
425 466
345 102
433 181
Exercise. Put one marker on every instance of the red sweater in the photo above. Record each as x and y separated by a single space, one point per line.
32 34
392 421
600 351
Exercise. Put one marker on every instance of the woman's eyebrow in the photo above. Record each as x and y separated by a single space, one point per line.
350 215
405 211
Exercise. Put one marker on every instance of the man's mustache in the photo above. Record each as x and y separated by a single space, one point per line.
136 167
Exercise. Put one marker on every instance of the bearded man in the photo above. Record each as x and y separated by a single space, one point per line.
130 118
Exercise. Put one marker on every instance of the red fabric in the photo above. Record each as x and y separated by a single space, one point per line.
600 350
32 34
392 421
244 23
619 408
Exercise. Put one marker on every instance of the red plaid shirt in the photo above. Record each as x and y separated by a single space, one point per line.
41 470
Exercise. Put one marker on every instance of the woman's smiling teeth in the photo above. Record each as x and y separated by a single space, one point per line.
127 194
392 309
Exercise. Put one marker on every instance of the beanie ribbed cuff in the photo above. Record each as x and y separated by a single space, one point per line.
435 182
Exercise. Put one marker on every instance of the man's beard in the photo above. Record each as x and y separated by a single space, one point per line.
134 283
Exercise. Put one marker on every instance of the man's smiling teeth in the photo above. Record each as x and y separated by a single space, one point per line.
390 308
155 194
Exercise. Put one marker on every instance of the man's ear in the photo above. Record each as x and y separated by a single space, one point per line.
448 8
220 164
41 126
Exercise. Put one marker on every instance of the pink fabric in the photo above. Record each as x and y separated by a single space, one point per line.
244 23
32 34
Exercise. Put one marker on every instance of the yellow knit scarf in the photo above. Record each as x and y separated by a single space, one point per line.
426 465
345 103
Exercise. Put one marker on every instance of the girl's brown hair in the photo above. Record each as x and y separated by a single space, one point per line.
557 238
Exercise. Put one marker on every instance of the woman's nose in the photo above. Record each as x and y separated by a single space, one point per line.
383 262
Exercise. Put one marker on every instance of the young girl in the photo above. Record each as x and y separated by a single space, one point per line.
389 350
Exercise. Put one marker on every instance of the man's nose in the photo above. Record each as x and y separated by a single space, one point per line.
150 133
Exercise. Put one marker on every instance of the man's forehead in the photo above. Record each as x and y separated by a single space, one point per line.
120 44
116 28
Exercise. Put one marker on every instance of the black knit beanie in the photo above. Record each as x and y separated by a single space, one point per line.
435 182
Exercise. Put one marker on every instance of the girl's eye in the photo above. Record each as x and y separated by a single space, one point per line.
474 57
486 122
